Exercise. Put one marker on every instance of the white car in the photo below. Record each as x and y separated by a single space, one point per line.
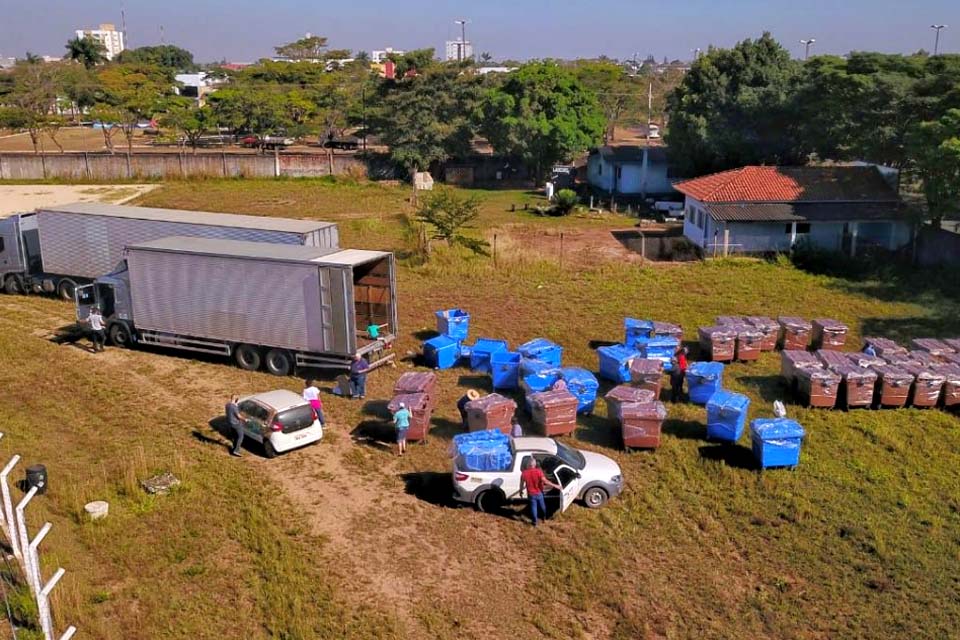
281 420
584 475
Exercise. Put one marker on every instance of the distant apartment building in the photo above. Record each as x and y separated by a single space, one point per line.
7 63
459 50
377 56
108 36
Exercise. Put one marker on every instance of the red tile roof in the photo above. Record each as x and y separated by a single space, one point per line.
791 184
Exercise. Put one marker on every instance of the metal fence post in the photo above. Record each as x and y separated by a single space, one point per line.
68 633
43 603
24 540
9 524
34 567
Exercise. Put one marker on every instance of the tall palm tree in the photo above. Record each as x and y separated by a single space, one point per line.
86 50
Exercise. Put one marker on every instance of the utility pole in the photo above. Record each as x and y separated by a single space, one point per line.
363 112
462 48
123 28
807 43
162 39
936 42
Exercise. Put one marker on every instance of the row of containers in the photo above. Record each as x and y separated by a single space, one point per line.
892 376
743 338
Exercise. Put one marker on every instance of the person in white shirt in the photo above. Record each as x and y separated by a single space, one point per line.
98 336
312 395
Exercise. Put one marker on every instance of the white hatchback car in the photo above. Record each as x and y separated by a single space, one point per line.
281 420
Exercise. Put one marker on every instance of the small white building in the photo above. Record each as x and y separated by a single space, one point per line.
761 209
378 56
459 50
108 36
629 170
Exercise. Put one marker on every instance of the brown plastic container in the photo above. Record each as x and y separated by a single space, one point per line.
490 412
641 424
418 382
818 387
862 359
951 383
832 359
769 328
793 360
859 385
953 343
950 358
794 333
884 346
718 343
925 358
829 334
894 385
726 321
933 346
749 339
927 386
647 374
667 329
623 394
554 412
420 413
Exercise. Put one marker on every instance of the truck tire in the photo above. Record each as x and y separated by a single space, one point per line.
66 289
119 335
279 362
247 357
490 501
11 285
595 497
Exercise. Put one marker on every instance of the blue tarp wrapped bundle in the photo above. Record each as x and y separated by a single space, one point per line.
726 415
583 385
505 369
481 351
453 323
542 349
703 380
636 331
615 362
660 348
537 376
776 442
441 352
482 451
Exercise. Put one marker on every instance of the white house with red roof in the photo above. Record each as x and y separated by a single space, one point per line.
761 209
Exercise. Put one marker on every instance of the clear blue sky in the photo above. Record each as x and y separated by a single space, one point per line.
244 30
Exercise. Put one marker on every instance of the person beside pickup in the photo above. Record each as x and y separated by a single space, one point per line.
533 481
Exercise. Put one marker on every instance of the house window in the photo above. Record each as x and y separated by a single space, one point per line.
802 227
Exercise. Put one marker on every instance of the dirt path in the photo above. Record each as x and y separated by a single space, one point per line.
27 197
577 246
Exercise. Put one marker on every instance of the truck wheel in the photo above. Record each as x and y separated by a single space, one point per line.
595 497
119 335
66 289
11 285
268 449
279 362
247 357
490 501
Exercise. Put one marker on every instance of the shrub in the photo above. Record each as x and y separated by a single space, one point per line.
564 201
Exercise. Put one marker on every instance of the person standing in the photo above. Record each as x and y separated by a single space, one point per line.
98 336
358 376
533 482
869 350
312 395
235 420
468 397
516 431
401 420
677 374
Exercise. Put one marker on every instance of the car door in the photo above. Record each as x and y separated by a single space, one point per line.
257 420
86 298
569 479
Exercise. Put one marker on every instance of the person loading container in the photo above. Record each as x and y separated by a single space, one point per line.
235 419
312 395
373 330
677 373
470 395
358 377
533 481
870 351
401 420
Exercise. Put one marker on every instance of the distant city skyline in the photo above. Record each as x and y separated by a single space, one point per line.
246 30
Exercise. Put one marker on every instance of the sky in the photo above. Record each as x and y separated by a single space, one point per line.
246 30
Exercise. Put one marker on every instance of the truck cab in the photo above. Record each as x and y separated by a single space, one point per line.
111 294
19 252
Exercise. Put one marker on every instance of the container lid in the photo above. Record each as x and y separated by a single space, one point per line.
489 345
893 373
618 352
830 324
934 346
441 341
553 397
762 322
719 332
728 400
578 376
646 366
794 322
851 371
705 369
925 357
634 324
531 365
884 344
818 374
797 356
412 401
730 320
925 373
416 381
747 331
832 358
488 402
535 347
666 328
861 359
643 411
951 372
776 428
662 342
626 393
505 357
459 314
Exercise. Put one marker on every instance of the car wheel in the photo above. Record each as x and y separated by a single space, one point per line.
279 362
268 449
490 501
247 357
595 497
119 335
11 285
66 289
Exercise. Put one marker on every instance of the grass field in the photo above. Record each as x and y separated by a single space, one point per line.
344 539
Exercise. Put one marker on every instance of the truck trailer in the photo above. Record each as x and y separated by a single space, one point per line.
282 307
54 249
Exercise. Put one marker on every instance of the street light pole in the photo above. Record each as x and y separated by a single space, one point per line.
806 43
461 50
936 42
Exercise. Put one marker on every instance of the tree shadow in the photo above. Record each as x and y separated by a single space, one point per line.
770 388
684 429
432 487
732 455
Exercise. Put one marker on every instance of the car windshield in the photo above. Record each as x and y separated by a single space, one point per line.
571 456
296 418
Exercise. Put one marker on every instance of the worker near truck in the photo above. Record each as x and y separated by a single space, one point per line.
401 420
358 377
312 395
235 419
533 481
98 335
677 373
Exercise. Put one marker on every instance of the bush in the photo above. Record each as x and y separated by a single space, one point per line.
564 201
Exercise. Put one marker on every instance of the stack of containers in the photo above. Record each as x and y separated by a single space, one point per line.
818 387
726 415
424 382
624 394
794 333
615 362
641 424
793 360
859 384
776 442
718 343
543 350
647 374
951 358
554 412
636 331
443 352
768 328
953 343
490 412
951 383
924 358
482 451
927 385
660 348
536 376
829 334
749 341
482 350
419 405
703 380
582 384
505 369
884 346
935 347
667 330
894 385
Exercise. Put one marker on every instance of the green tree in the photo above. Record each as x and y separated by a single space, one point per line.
619 95
734 108
167 56
247 109
541 114
446 215
418 60
190 119
33 101
307 48
132 93
86 51
935 148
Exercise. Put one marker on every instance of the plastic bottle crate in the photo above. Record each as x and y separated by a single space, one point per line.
583 385
776 442
726 415
703 380
543 350
453 323
481 351
441 352
615 362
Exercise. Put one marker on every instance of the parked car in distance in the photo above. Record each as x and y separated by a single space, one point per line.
584 475
266 142
280 420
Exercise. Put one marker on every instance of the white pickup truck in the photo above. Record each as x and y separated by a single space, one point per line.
591 477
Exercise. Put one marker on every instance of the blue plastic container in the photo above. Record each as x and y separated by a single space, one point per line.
505 369
615 362
482 451
703 380
441 352
481 351
726 415
582 384
453 323
636 331
776 442
536 375
542 349
660 348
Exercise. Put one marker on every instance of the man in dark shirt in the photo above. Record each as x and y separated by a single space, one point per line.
533 481
677 374
358 376
235 419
